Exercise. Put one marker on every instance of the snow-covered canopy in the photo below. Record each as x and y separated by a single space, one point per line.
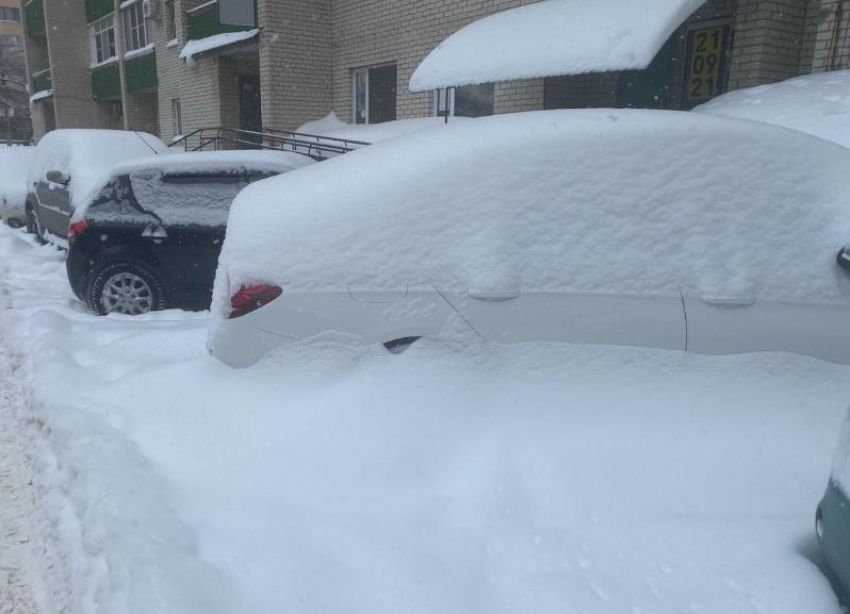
196 47
653 202
84 155
554 37
817 104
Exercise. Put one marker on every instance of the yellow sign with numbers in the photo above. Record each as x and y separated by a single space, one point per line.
707 47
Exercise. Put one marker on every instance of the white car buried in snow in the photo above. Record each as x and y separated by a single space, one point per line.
635 228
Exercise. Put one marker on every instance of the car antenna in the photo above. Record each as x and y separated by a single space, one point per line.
136 132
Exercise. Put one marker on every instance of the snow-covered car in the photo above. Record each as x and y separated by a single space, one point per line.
637 228
816 104
832 521
66 164
149 235
14 166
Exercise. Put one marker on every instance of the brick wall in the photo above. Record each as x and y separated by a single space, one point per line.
295 61
768 41
68 48
373 32
826 36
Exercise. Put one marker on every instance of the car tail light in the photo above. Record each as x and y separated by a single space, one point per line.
76 230
250 298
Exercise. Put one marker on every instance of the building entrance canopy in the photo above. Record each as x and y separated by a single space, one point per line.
554 38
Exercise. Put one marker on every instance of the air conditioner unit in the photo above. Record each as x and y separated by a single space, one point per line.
151 9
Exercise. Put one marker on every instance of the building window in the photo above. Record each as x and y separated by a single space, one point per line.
138 32
176 118
466 101
171 21
375 94
102 38
8 13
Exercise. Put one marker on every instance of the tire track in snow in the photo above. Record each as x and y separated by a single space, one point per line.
33 575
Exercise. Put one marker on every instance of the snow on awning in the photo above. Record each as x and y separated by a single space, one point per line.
195 47
553 38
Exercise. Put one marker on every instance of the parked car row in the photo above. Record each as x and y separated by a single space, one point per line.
633 228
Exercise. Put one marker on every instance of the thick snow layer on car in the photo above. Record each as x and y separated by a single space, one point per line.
85 155
14 167
176 203
817 104
331 126
554 37
587 201
459 476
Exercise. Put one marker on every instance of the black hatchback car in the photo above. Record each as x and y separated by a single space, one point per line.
150 236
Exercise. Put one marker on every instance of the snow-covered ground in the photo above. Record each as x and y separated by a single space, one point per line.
457 477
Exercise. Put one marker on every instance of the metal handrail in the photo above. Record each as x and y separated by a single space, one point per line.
313 145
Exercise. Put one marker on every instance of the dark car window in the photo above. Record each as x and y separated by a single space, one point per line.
115 203
188 199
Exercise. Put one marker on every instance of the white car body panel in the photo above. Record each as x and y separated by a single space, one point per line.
573 317
376 316
743 324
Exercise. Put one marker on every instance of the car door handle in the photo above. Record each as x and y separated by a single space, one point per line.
729 302
494 296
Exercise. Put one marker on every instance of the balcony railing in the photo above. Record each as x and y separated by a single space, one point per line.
205 21
41 81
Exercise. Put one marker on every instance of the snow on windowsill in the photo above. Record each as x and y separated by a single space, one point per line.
41 95
172 43
196 47
126 3
137 52
113 60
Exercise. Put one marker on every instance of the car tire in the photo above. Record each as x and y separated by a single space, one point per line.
33 225
125 287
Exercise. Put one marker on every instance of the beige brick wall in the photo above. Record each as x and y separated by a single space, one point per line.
826 37
768 41
367 33
296 51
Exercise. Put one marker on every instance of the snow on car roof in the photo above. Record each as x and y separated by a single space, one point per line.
14 166
592 200
554 37
86 154
209 162
816 104
214 161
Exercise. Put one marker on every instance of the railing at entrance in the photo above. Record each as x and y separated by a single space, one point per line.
224 139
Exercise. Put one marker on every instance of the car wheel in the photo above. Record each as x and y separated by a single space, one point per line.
34 226
128 288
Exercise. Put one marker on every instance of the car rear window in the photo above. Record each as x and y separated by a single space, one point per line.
189 199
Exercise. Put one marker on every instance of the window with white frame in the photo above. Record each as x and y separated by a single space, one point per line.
374 94
138 29
102 39
171 20
465 101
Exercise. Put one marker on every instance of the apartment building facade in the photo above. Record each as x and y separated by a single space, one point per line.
15 122
173 66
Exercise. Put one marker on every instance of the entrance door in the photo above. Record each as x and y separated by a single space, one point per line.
250 105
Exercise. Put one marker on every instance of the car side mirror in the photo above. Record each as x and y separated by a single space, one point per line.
844 258
58 177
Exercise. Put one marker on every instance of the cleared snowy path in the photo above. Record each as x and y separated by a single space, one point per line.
33 575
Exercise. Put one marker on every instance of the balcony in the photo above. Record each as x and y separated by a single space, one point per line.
41 81
205 21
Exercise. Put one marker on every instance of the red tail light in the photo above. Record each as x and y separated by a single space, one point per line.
250 298
76 230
